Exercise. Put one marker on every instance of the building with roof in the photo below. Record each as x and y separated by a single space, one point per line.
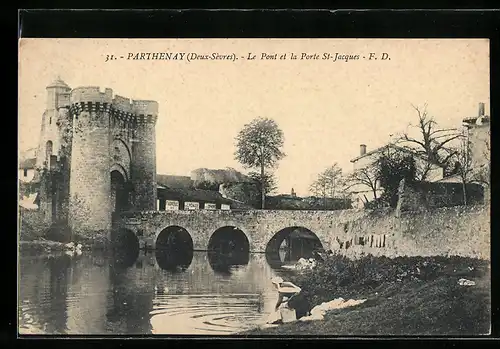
362 165
180 193
477 130
26 170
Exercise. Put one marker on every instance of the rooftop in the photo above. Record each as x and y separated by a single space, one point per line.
27 164
174 182
387 146
198 195
474 120
58 83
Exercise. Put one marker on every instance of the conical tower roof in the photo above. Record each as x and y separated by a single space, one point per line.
58 83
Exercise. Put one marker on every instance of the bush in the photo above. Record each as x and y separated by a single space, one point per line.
339 276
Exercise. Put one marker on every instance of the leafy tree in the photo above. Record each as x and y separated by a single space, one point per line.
266 184
206 185
258 145
392 168
433 142
245 192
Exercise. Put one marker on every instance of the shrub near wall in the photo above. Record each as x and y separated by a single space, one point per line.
433 195
31 224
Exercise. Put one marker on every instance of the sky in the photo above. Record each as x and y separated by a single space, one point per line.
326 109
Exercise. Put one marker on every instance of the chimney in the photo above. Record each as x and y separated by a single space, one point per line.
362 149
481 109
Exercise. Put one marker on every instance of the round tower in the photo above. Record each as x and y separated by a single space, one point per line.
48 152
90 181
143 165
57 96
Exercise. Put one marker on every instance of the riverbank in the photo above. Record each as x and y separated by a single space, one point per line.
405 296
41 244
47 246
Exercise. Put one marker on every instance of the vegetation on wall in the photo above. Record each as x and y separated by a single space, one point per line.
391 170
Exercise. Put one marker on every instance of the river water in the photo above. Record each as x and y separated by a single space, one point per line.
94 293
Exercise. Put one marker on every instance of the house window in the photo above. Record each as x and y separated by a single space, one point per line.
25 172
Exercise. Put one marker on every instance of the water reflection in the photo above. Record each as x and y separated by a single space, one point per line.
58 291
125 258
144 293
130 298
174 260
125 248
223 263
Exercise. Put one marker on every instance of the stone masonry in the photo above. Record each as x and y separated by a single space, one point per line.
96 156
460 230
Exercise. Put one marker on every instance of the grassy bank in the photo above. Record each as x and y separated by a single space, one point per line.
405 296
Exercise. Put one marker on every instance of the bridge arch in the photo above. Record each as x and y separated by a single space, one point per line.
120 154
229 239
119 168
174 248
292 243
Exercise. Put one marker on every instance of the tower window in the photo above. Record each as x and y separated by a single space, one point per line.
25 172
48 152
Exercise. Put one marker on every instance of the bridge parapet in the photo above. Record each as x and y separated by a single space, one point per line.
460 231
258 225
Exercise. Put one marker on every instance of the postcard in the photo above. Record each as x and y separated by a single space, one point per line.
221 187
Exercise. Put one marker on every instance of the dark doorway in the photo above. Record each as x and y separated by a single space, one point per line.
119 193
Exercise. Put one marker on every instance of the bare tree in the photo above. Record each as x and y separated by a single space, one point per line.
318 188
366 176
329 183
433 142
463 156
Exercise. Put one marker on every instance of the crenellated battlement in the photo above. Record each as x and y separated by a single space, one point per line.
90 98
91 94
80 125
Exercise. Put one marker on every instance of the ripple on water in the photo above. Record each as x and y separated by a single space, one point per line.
206 314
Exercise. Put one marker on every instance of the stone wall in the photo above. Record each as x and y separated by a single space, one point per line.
446 231
425 195
459 230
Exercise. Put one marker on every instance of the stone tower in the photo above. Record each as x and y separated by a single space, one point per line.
53 153
105 156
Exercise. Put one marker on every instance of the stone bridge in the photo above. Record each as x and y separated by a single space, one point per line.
260 230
